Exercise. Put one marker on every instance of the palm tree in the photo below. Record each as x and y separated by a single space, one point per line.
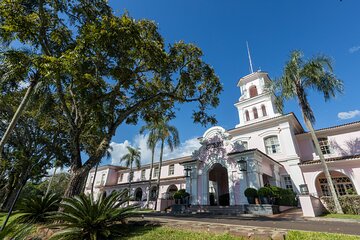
133 156
10 65
151 143
84 218
299 75
170 135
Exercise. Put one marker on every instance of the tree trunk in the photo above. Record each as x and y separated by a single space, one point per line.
17 115
150 177
325 167
9 198
159 175
50 182
77 180
93 182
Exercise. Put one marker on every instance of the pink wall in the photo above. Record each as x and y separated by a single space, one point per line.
343 141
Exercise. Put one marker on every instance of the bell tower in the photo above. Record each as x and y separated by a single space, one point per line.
256 103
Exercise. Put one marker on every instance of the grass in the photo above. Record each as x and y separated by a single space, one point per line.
342 216
300 235
165 233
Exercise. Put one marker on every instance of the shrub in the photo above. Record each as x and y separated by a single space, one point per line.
349 203
180 194
37 208
84 218
283 197
265 192
251 192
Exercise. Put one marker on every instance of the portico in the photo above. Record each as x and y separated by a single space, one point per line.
216 175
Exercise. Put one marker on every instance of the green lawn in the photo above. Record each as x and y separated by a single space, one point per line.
300 235
165 233
342 216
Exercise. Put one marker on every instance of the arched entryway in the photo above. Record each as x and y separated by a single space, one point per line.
138 194
218 186
342 183
171 191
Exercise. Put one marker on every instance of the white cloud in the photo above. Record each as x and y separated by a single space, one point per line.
354 49
119 149
349 114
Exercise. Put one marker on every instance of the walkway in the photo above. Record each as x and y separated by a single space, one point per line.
258 224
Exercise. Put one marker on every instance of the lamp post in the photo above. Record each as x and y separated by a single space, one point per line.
304 190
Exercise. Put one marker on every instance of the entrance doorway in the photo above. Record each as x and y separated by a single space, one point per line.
219 186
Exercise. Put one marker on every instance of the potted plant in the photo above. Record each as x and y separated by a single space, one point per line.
251 194
265 194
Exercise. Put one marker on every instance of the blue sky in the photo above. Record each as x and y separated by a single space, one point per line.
273 29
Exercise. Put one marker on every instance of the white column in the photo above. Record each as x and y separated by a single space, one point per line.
276 175
194 192
243 185
253 173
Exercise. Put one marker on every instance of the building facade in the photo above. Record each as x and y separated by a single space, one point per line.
274 147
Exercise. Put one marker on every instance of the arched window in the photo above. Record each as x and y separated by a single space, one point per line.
247 115
138 194
153 193
253 91
172 189
272 145
342 183
255 113
263 109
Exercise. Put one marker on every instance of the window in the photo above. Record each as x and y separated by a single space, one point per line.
156 172
102 182
253 91
143 174
171 169
138 194
263 109
288 182
255 113
247 115
272 145
121 178
343 186
245 144
324 145
91 180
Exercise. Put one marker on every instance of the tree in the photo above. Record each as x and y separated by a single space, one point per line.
132 157
300 75
30 150
168 134
101 71
151 144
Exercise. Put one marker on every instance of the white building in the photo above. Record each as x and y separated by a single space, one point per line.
276 148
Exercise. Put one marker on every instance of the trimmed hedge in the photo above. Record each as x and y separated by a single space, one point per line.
349 203
283 197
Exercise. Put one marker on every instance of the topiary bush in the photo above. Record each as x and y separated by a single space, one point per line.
349 203
283 197
251 192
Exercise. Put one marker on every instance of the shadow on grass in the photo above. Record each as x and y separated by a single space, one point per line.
139 228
